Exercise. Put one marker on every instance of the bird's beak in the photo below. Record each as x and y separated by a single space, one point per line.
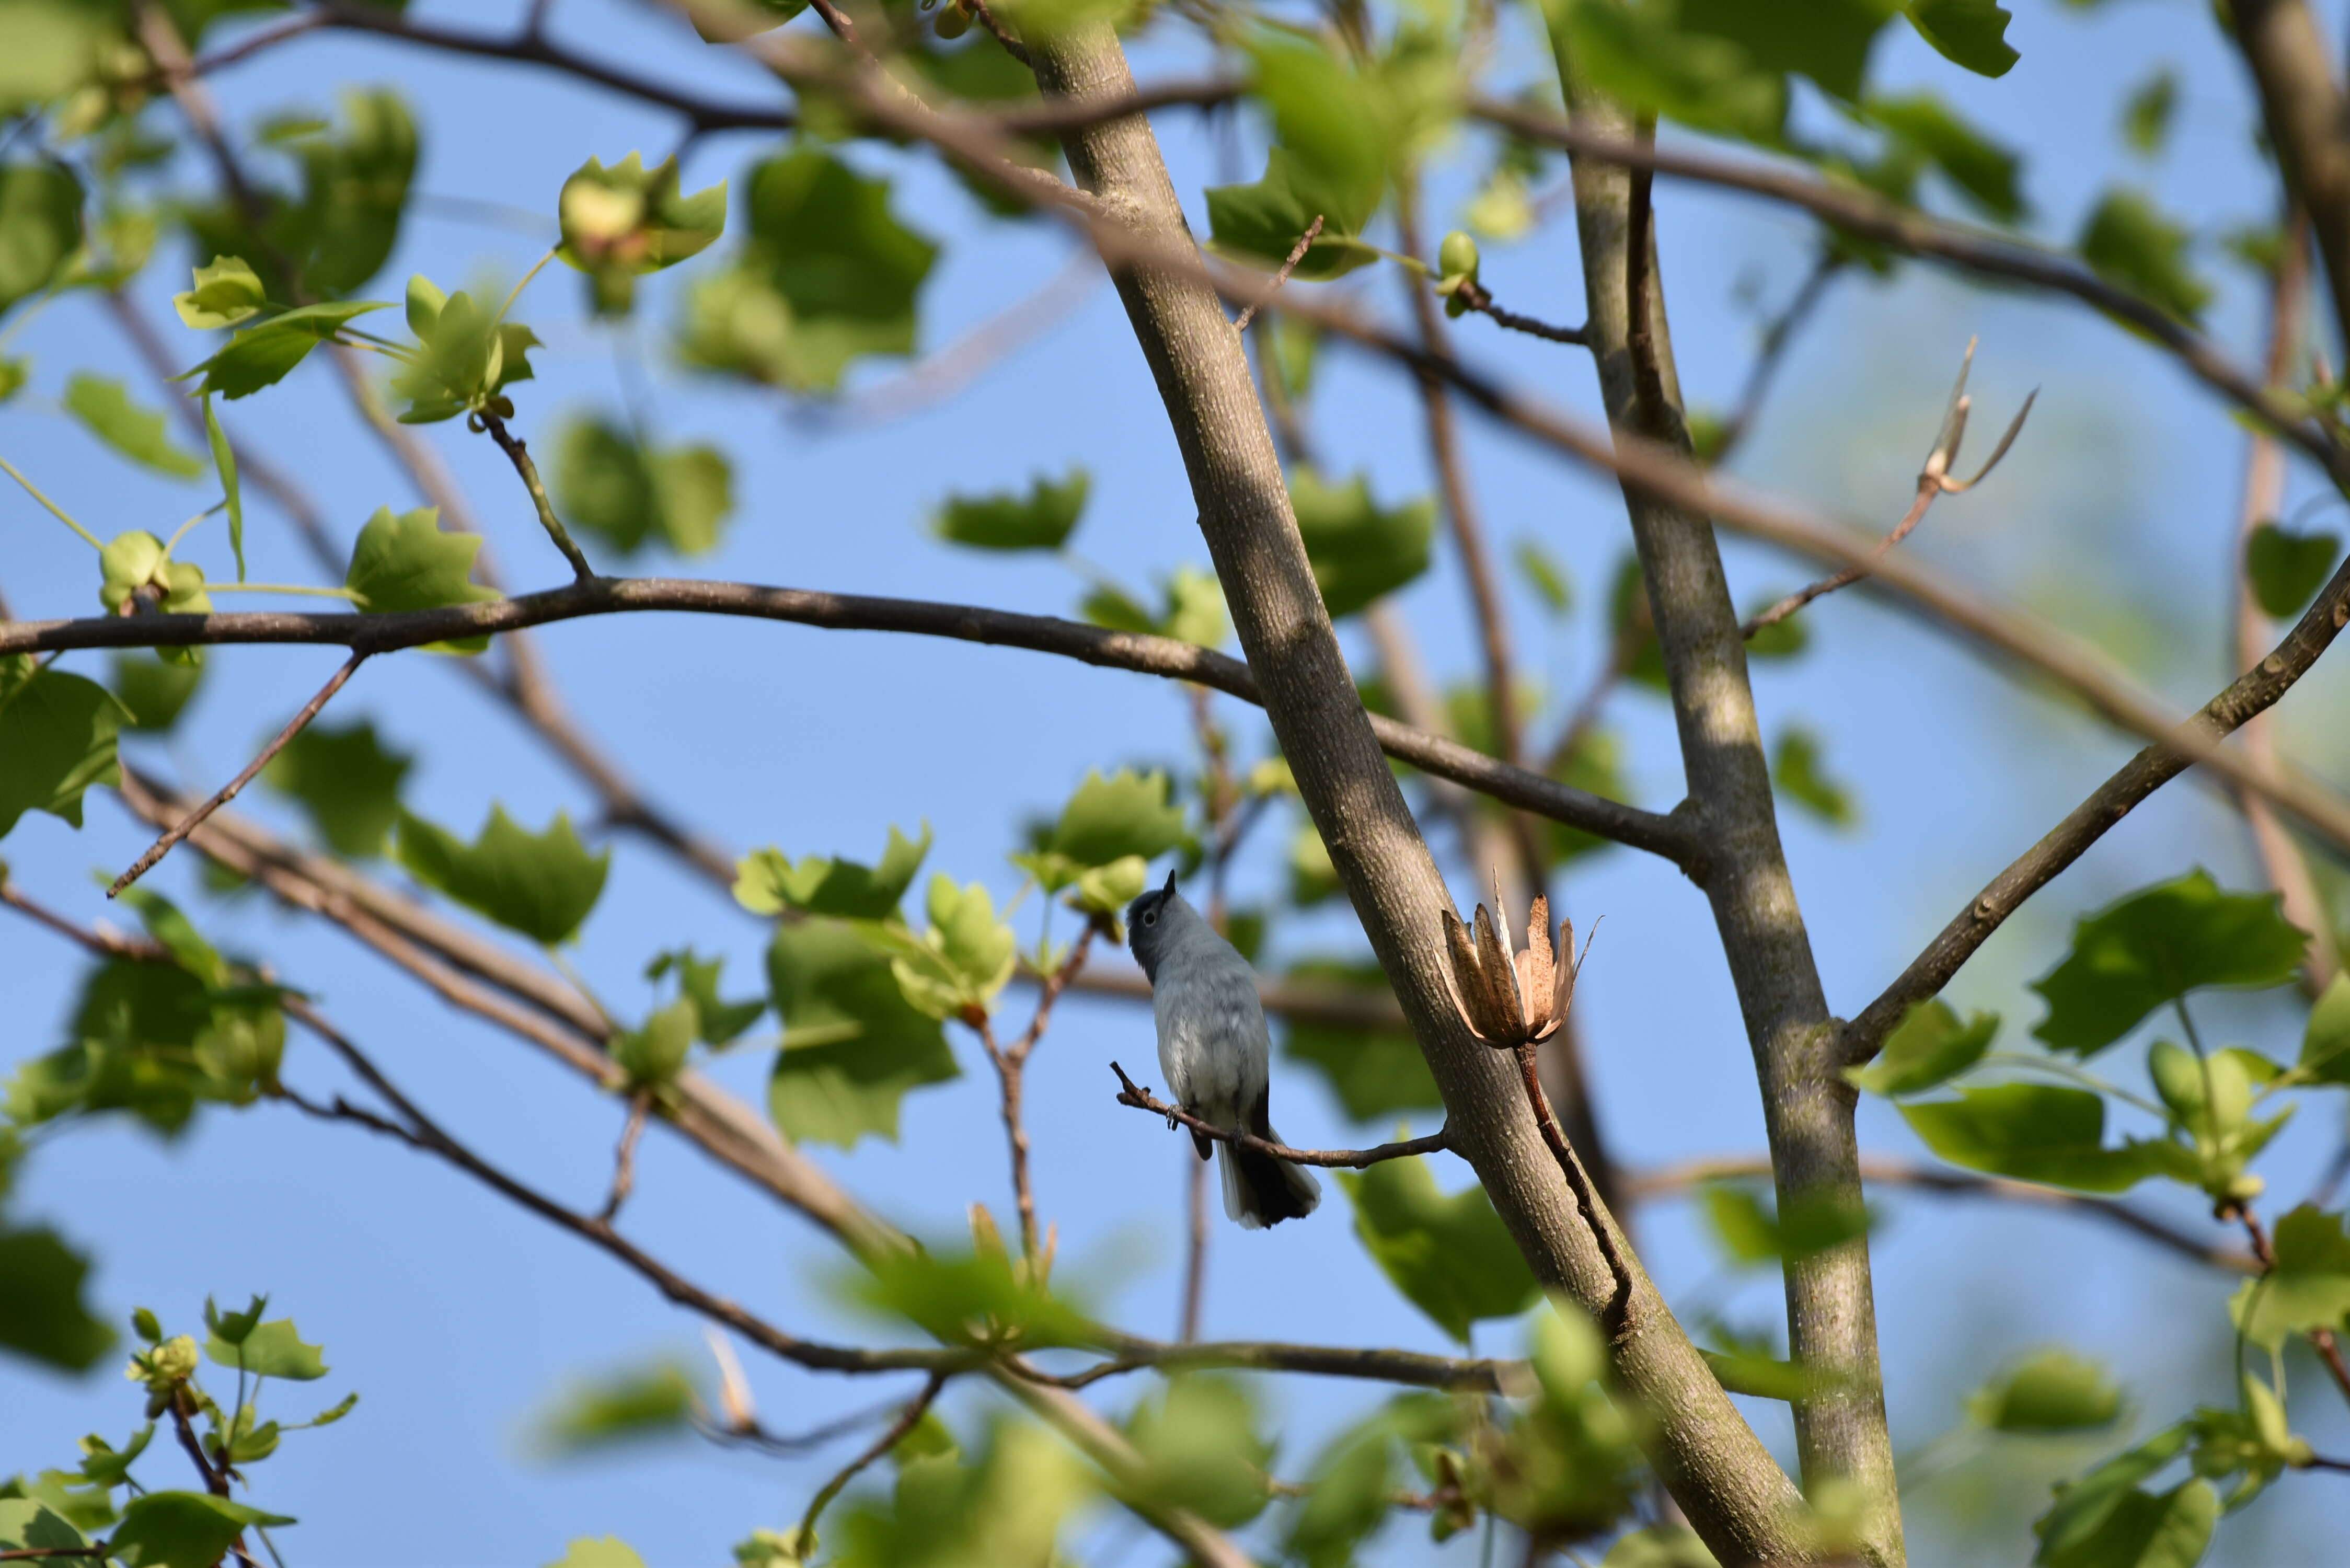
1169 891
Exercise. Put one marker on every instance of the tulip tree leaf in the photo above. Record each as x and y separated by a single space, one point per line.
1359 551
2076 1530
1450 1255
407 561
766 882
2129 243
1980 170
2325 1044
270 1350
598 1551
629 494
1201 1449
956 964
2156 945
627 1406
2147 115
346 780
226 293
57 739
1041 520
1125 813
1375 1071
1827 40
2144 1529
42 1314
716 1021
852 1044
1927 1049
2033 1132
656 1053
152 692
2286 570
2050 1390
40 218
540 884
106 410
29 1523
1647 56
182 1528
1799 772
2308 1289
1970 33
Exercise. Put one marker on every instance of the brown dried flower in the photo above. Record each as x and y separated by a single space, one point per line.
1510 998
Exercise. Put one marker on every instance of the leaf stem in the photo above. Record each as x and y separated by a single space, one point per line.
519 454
281 588
173 542
536 267
56 510
2080 1075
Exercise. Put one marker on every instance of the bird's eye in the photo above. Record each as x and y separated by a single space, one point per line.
1151 918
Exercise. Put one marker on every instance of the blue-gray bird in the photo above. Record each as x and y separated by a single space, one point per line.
1213 1048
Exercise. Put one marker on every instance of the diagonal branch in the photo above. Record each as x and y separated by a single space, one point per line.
1142 1099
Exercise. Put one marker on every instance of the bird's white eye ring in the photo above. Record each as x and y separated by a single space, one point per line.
1151 918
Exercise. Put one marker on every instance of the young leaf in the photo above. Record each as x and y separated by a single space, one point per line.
2147 117
624 1408
655 1054
1262 223
2286 570
1201 1449
1450 1255
182 1528
225 464
57 739
852 1045
2325 1044
265 353
766 882
2075 1530
598 1551
2145 1530
226 293
631 495
717 1022
541 885
152 693
1109 818
347 781
406 561
42 1314
1795 769
1980 168
2033 1132
1970 33
621 222
1927 1049
2128 241
1042 520
963 958
2156 945
270 1350
106 410
1359 552
40 212
2051 1390
2308 1289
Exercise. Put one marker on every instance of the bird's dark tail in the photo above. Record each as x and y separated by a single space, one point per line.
1260 1191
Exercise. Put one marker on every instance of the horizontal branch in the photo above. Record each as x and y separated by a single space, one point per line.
1670 1180
1136 651
1329 1159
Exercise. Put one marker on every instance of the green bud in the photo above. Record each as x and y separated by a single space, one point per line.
127 565
183 588
2178 1079
2244 1187
145 1323
2232 1092
1457 256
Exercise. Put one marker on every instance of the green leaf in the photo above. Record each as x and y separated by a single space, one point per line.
226 293
2285 570
1980 168
1201 1449
1110 818
1750 1233
2145 1530
40 222
598 1551
766 881
2085 1507
1796 771
2131 243
1451 1256
2325 1044
347 781
655 1054
1644 58
1546 575
224 465
1927 1049
716 1021
1970 33
966 956
29 1524
14 374
271 1350
852 1044
621 222
2147 117
42 1314
2308 1289
1008 1507
1041 520
1827 40
104 1464
106 410
407 561
466 356
2051 1390
152 693
57 739
829 273
355 188
1262 223
233 1328
2154 946
624 1408
1359 552
1374 1073
182 1528
541 885
2033 1132
630 496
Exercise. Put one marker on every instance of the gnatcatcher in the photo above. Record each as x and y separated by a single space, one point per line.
1213 1048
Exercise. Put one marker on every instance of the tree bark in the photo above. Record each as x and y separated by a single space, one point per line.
1807 1108
1734 1494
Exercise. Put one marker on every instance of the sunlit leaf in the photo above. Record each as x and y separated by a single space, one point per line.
57 739
623 221
1360 550
2033 1132
407 561
629 494
347 781
627 1407
540 884
2308 1289
1041 520
1927 1049
271 1350
1971 32
2154 946
1450 1255
182 1528
766 881
852 1044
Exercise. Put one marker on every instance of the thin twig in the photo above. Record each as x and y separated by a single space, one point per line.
1296 254
1618 1316
908 1419
228 792
1011 1064
1927 493
624 1160
2322 1340
518 453
1473 295
1004 35
1772 350
1142 1099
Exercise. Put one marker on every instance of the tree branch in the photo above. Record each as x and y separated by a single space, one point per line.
1777 339
908 1419
1142 1099
1044 634
519 455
